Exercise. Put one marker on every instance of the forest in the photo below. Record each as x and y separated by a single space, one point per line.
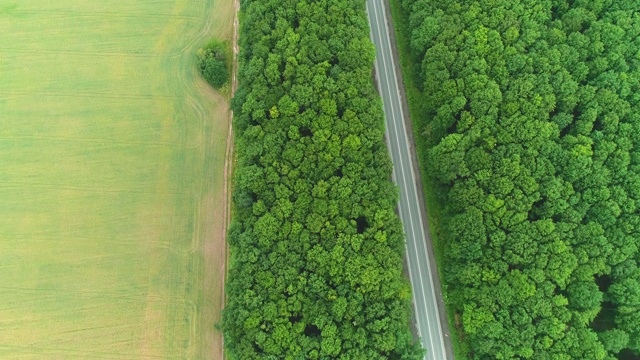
316 246
529 112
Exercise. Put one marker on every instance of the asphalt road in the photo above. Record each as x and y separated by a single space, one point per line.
422 271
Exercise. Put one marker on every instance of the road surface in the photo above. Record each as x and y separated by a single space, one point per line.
422 271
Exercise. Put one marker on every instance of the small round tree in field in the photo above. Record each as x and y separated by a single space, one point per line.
212 62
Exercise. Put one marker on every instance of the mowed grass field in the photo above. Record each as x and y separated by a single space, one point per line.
111 180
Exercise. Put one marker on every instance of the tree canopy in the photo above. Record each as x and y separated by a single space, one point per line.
213 62
316 247
532 120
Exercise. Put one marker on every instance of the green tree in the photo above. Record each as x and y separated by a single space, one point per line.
212 62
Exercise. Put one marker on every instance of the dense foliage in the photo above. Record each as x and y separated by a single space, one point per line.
316 268
212 62
533 130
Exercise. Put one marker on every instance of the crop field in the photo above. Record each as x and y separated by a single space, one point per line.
111 180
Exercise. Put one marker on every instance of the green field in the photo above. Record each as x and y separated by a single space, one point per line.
111 177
